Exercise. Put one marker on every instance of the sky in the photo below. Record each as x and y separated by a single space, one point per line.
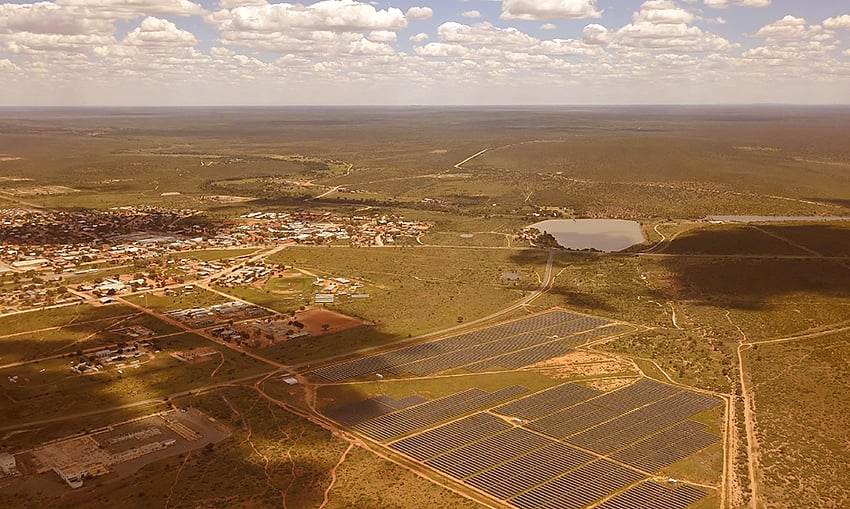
423 52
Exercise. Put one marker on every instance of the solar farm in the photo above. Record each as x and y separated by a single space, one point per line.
511 345
566 446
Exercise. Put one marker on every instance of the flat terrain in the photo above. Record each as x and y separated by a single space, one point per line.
801 419
414 219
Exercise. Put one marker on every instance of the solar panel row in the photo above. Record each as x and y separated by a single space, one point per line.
520 334
524 472
631 427
370 408
652 495
578 488
669 446
479 456
404 421
574 419
548 401
450 436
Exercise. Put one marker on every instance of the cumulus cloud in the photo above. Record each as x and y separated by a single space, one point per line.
331 15
839 22
489 41
662 11
157 32
595 34
548 26
28 42
439 49
471 14
127 9
668 37
7 67
725 4
48 18
420 13
534 10
789 27
382 36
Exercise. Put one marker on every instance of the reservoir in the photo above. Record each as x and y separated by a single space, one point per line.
603 234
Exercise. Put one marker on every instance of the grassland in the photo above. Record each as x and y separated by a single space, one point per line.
801 420
447 285
333 396
283 294
69 339
49 389
60 316
726 240
182 299
638 163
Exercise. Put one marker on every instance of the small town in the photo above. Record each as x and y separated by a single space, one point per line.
53 258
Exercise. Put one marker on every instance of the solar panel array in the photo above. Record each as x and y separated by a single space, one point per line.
574 419
524 472
667 447
370 408
548 401
626 429
511 345
575 446
578 488
653 495
479 456
450 436
402 422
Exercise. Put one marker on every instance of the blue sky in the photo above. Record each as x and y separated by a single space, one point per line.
184 52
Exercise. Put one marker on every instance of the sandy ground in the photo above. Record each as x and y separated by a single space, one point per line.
583 364
313 320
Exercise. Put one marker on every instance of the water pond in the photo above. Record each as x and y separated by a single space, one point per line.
607 235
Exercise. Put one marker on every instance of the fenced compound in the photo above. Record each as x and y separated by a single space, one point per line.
572 446
518 343
654 495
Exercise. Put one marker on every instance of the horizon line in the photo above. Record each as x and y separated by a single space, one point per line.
413 105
